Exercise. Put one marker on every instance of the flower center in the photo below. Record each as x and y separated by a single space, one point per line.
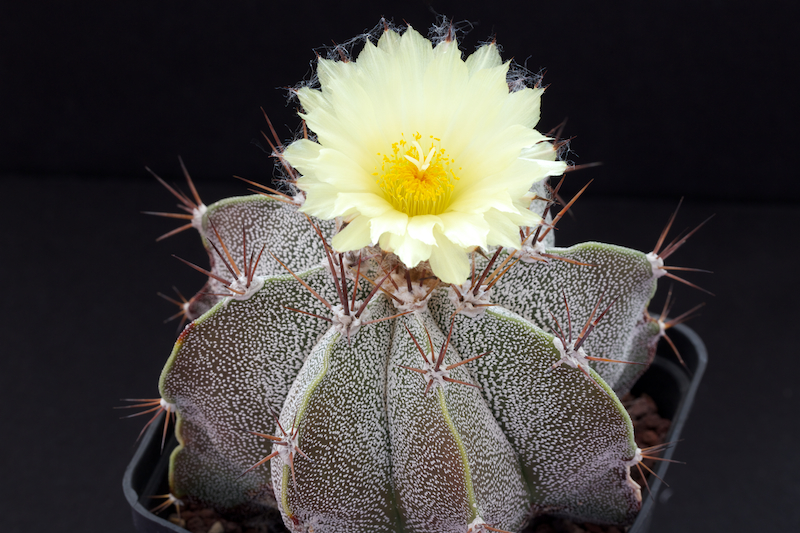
414 180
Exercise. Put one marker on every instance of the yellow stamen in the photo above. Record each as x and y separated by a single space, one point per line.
417 184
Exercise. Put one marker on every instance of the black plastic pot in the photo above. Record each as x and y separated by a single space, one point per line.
671 386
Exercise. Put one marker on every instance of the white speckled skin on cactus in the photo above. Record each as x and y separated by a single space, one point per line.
532 438
419 381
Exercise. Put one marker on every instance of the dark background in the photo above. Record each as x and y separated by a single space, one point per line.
694 99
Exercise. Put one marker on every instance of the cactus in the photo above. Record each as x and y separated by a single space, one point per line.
428 384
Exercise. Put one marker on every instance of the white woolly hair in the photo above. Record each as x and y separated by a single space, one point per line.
444 29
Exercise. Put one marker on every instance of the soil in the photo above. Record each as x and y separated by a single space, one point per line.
649 430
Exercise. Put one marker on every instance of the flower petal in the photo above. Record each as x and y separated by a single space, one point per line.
502 232
449 261
389 242
328 71
487 56
478 199
404 89
465 229
524 106
412 251
367 204
421 227
302 153
390 222
354 236
320 201
525 170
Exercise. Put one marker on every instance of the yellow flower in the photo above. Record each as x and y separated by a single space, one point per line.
422 152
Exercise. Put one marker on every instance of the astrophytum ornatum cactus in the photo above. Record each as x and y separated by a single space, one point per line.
431 381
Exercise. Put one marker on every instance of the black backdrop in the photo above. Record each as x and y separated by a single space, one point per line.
676 98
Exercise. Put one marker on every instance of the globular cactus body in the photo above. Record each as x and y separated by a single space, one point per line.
429 376
382 450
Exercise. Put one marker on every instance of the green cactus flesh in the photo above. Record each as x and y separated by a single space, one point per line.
537 289
428 421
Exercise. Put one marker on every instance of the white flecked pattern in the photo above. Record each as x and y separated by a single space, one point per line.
534 290
571 437
226 369
276 225
532 439
338 403
434 435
